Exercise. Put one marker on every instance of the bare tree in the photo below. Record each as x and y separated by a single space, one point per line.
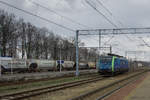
38 43
30 40
7 32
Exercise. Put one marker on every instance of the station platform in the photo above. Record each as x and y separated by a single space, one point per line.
138 90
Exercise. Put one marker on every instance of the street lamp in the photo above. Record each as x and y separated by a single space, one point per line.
0 41
60 62
0 54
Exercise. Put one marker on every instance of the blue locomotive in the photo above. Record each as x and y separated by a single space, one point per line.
112 64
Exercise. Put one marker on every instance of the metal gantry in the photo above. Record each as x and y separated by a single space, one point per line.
100 32
135 53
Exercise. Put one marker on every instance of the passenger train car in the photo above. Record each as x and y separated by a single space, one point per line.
112 64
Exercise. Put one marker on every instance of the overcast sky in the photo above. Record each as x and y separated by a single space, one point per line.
124 13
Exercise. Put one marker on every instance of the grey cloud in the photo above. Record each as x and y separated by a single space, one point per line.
132 13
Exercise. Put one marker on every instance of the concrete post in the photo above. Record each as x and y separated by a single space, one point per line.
77 54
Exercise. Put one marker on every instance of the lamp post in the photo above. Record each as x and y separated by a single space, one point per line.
60 62
0 41
0 53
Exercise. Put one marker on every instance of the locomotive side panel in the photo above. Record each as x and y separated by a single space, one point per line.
121 65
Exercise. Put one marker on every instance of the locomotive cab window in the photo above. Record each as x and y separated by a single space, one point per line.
105 60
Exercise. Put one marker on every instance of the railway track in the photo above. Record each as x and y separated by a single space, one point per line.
35 92
2 84
102 92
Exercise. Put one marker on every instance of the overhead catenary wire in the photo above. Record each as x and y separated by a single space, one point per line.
144 42
109 22
38 16
101 13
108 11
53 11
27 12
42 18
50 10
104 7
108 40
105 16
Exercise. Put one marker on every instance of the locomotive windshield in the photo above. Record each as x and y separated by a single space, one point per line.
106 60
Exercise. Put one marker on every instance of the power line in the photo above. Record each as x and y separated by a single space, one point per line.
108 11
105 16
101 13
32 14
50 10
37 4
144 42
110 14
109 40
104 7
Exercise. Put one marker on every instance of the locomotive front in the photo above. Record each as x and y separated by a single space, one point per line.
112 64
105 65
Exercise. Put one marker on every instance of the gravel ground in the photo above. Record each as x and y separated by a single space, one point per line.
124 92
142 91
29 76
75 91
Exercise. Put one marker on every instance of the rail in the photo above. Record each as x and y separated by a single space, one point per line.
35 92
90 93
